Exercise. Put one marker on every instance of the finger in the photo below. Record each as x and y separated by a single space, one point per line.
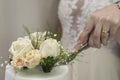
105 38
86 32
91 40
113 29
105 32
77 47
82 39
79 42
89 25
97 34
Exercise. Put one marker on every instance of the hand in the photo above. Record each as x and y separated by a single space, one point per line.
100 26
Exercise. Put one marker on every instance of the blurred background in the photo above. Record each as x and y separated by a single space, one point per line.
36 14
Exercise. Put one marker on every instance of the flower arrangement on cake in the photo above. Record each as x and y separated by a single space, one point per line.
39 49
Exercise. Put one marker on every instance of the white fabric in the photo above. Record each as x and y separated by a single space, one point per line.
58 73
95 64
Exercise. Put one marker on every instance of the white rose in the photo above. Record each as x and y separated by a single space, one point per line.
20 46
33 58
18 62
49 47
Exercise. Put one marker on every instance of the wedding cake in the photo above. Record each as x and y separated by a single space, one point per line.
58 73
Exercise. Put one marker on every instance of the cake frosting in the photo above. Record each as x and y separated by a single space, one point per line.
58 73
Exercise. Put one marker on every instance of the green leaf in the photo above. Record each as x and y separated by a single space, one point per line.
26 30
48 64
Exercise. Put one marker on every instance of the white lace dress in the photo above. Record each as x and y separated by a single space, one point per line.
95 64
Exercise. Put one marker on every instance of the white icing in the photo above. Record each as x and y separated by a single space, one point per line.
59 73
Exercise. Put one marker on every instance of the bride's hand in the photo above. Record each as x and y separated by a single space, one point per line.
100 26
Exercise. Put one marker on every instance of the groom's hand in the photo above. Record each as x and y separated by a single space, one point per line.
100 26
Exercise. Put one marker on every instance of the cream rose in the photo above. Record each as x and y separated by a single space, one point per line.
33 58
21 46
18 62
49 47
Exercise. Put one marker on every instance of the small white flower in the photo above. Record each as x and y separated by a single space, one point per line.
33 58
49 47
55 35
21 46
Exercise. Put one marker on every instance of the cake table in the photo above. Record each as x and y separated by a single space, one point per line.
58 73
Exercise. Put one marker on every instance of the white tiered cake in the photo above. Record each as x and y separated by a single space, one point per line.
58 73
